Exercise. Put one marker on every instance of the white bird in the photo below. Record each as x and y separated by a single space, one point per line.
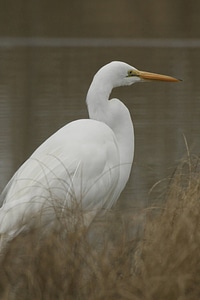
87 162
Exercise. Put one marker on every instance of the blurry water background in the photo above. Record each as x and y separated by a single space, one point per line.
49 52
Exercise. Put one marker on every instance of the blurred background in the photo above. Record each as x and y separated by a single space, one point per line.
49 52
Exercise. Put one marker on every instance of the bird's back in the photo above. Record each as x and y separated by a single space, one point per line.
79 164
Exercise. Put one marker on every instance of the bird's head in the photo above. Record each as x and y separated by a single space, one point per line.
120 74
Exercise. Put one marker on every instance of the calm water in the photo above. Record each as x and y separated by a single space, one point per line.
43 86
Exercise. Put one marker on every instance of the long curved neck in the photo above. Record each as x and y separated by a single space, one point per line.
97 99
116 115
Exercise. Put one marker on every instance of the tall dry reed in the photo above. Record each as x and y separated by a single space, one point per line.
103 262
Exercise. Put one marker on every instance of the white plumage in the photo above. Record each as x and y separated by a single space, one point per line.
87 162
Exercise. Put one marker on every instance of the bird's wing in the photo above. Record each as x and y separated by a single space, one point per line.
79 163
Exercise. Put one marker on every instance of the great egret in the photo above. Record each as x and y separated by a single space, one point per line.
87 161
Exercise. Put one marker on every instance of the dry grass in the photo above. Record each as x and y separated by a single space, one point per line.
104 263
170 256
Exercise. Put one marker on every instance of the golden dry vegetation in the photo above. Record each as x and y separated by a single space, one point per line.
162 261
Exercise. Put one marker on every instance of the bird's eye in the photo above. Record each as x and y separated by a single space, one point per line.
131 73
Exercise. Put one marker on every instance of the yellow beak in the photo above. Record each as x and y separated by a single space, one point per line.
154 76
